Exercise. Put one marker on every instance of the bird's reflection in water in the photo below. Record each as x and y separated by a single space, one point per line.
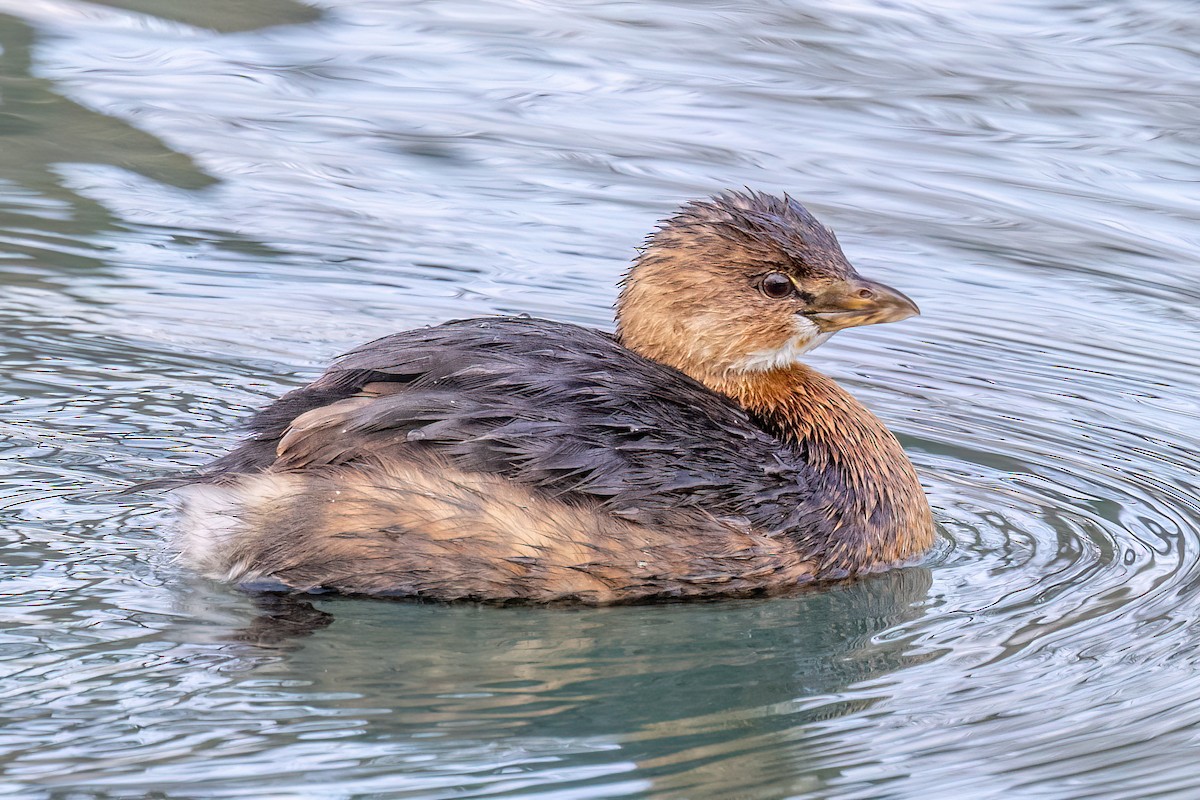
725 696
282 620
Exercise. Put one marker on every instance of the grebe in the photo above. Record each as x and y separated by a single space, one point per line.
511 459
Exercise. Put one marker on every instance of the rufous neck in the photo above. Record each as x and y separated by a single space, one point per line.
886 517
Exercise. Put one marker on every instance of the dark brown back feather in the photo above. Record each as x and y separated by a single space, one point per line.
561 408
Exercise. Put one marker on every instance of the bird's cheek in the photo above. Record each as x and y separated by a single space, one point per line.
802 336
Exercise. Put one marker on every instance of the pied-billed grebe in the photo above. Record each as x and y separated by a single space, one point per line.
513 459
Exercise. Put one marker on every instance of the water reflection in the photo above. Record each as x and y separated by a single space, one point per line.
225 16
45 221
416 699
689 697
281 620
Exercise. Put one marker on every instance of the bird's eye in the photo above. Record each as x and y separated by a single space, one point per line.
777 286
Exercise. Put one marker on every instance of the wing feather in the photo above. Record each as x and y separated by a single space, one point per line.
556 406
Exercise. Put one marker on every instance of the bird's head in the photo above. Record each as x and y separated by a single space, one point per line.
744 283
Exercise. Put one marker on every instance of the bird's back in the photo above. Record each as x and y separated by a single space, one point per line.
563 409
505 458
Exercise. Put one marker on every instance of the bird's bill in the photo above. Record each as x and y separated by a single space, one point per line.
859 302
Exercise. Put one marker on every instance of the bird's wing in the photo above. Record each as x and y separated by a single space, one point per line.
556 406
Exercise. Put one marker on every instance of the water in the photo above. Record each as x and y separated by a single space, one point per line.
201 203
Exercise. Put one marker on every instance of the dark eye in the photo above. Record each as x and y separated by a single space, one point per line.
777 286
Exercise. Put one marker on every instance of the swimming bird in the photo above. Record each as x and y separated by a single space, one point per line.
690 454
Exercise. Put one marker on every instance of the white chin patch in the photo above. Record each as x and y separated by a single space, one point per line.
807 337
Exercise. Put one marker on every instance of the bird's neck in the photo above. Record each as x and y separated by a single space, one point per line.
865 474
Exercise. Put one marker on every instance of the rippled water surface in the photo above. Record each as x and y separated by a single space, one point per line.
203 202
